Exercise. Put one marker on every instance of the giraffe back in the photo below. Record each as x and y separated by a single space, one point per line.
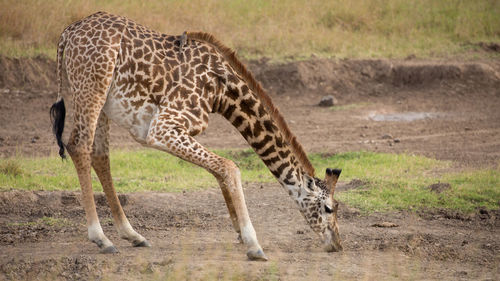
147 72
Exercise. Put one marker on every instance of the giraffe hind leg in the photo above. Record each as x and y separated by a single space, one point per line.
79 150
100 163
90 83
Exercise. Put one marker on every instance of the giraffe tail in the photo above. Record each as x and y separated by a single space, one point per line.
58 109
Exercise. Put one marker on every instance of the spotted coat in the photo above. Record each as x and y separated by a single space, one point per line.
162 88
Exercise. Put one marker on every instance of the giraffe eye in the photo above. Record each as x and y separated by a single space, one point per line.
328 209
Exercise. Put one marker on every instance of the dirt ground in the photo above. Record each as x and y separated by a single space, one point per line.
447 110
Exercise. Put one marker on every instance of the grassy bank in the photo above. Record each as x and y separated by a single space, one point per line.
388 181
277 29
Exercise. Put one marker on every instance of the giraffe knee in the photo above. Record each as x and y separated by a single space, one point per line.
228 170
75 149
100 148
232 167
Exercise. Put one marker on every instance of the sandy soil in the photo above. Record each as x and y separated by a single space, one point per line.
457 103
192 235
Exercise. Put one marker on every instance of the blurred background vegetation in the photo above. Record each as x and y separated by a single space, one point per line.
288 29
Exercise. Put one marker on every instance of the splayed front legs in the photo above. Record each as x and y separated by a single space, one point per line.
173 138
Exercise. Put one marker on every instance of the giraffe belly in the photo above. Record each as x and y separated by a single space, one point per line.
136 119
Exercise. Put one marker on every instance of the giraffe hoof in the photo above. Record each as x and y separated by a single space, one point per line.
109 250
256 255
144 243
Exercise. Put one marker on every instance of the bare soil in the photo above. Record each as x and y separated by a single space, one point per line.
451 112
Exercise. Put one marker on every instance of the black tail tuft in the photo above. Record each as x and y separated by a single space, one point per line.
57 116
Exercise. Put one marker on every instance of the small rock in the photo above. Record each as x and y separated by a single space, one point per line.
35 139
483 211
328 101
300 232
397 140
484 214
387 137
384 224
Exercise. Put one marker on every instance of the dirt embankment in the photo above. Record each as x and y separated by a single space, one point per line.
34 74
355 79
342 77
457 101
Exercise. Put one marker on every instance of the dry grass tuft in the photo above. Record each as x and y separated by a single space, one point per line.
278 29
10 168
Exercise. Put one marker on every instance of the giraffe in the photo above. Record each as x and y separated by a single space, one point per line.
162 88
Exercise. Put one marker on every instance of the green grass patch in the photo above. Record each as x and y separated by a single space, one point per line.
140 170
10 168
393 181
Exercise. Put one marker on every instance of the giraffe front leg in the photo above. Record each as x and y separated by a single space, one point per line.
173 138
231 210
231 182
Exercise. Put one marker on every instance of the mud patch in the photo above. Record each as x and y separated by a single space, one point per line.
403 117
66 268
439 187
353 184
384 224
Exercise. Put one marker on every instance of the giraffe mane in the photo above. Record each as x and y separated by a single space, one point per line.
254 85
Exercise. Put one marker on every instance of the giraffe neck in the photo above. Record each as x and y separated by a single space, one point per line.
247 114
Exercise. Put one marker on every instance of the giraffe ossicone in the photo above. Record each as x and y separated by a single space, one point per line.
162 88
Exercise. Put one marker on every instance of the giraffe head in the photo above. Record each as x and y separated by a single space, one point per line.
320 208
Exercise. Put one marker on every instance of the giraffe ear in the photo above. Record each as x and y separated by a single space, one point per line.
331 178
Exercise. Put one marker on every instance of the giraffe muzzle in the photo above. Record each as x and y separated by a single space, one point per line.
332 240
